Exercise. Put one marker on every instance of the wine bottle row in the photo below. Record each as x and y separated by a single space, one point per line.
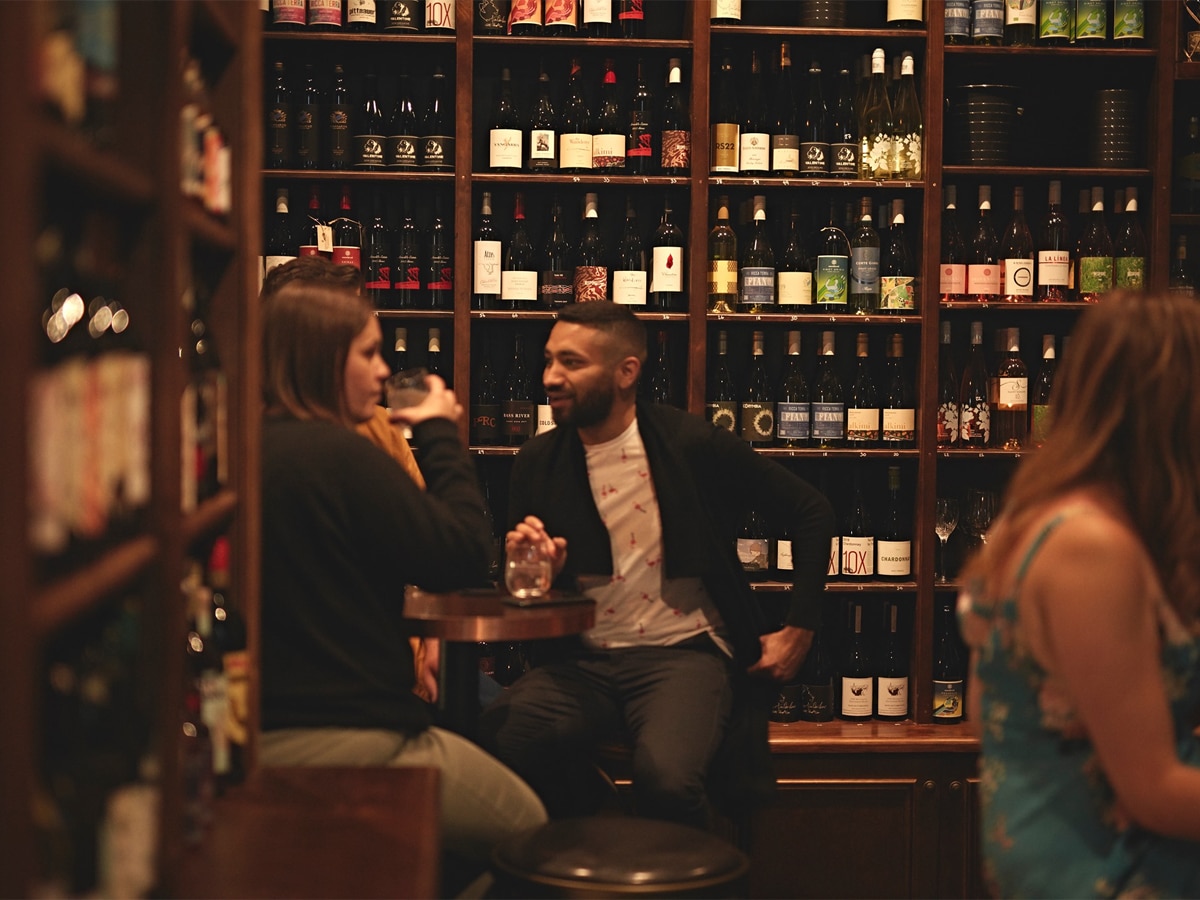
1058 265
565 18
906 14
820 409
1047 23
362 16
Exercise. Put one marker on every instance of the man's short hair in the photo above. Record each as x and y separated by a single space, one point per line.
614 319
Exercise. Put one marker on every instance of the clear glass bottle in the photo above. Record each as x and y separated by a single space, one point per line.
908 129
864 263
785 133
1016 254
983 263
722 261
974 410
875 125
1054 251
630 275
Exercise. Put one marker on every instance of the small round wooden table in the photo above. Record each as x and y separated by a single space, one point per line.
462 619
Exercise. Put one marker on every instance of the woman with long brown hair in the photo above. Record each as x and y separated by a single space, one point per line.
1082 610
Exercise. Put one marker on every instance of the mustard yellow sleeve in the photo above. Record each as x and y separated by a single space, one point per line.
388 438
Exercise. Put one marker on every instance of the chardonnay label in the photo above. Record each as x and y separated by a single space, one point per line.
858 556
947 700
895 559
835 557
783 555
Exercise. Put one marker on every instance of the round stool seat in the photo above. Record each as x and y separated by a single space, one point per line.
604 856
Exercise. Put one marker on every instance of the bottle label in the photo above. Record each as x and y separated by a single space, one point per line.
378 276
270 262
631 10
875 160
1020 12
783 555
545 418
722 413
1013 393
954 279
561 12
894 558
1129 20
862 424
975 423
339 137
785 153
575 150
1018 278
439 14
958 19
792 421
755 151
517 418
856 696
528 13
666 273
438 152
898 292
757 286
542 145
726 10
816 702
360 12
947 700
325 13
858 556
401 16
441 274
676 149
786 707
347 256
557 289
1095 274
947 424
900 425
368 151
1054 19
1039 420
845 160
597 11
591 283
726 146
487 268
904 10
795 288
722 277
835 557
407 273
629 287
983 280
893 696
987 19
758 421
491 16
287 12
754 554
828 421
485 423
833 280
1091 20
504 148
639 143
814 158
517 286
306 136
864 271
1054 267
1130 272
400 151
608 151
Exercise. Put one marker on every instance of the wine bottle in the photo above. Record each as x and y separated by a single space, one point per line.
368 127
785 134
629 275
904 14
815 127
891 680
287 15
490 17
756 268
575 134
556 284
725 12
974 411
947 393
1129 23
308 123
485 410
662 384
401 16
828 401
675 156
957 21
406 266
377 258
437 135
754 155
591 261
336 140
754 548
983 264
318 237
893 548
525 18
899 412
1091 22
897 272
1129 248
608 142
632 18
1011 415
640 138
953 268
908 127
505 153
516 402
757 409
1054 254
667 264
1020 23
864 263
1055 21
792 410
598 18
486 259
324 15
433 356
721 407
347 233
816 681
1039 404
543 133
722 261
726 123
400 145
561 18
281 242
843 129
875 126
1094 254
278 137
794 276
439 264
1179 279
832 269
949 667
858 682
987 23
1016 254
862 405
857 537
519 275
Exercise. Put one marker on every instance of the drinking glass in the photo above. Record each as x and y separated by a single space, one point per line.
527 572
978 511
406 388
944 523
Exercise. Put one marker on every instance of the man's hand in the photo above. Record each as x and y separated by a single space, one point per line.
783 652
427 670
533 531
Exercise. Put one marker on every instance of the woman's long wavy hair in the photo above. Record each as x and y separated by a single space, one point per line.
307 330
1126 418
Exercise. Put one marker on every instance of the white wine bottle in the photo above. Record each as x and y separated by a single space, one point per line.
757 408
862 403
858 682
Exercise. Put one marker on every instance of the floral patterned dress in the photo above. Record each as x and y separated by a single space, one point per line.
1052 826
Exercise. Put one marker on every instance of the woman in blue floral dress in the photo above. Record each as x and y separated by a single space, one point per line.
1083 615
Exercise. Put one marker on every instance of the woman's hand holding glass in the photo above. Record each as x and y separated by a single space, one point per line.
439 402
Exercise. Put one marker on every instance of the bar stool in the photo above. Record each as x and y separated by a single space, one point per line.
617 856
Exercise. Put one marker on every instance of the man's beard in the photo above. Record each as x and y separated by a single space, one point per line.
588 409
